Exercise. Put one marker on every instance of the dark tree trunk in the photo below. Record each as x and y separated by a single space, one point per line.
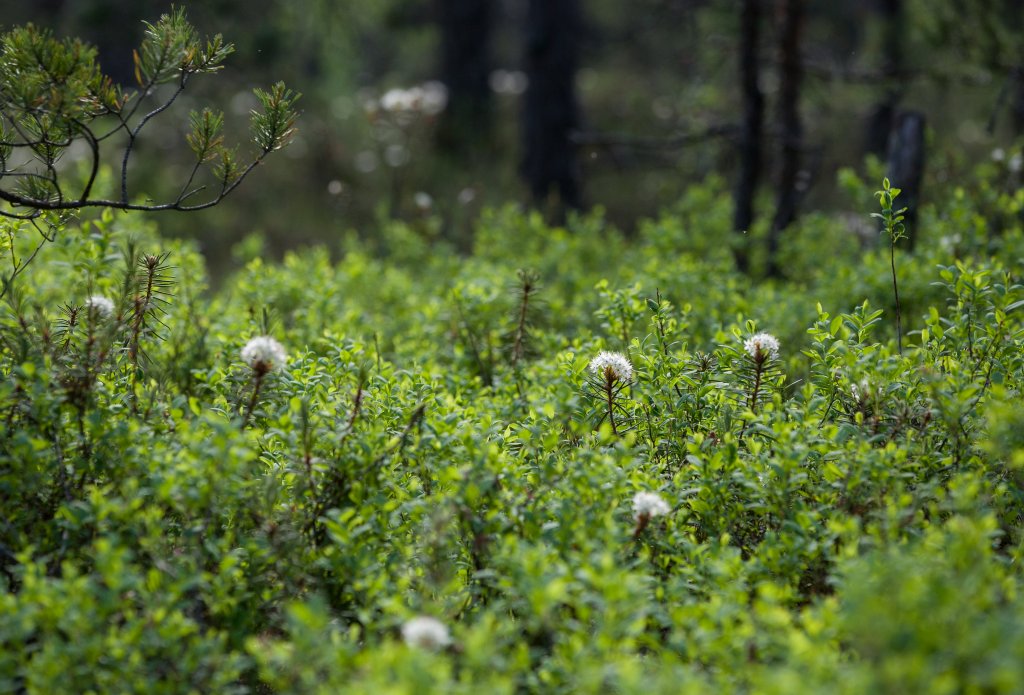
1013 16
790 23
906 166
551 113
879 125
1017 102
753 126
466 28
115 28
51 8
880 122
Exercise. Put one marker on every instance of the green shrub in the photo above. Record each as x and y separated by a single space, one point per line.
437 442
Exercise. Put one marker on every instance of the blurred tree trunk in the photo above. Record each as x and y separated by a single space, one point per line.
753 126
551 112
880 122
790 19
1017 103
115 28
1015 19
906 166
466 29
50 8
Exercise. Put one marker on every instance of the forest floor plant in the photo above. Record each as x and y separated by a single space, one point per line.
894 229
657 500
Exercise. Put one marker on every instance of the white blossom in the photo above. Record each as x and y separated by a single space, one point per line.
614 363
435 98
370 106
425 632
263 353
103 307
414 98
510 82
764 344
424 201
650 505
949 241
428 99
862 390
466 196
396 100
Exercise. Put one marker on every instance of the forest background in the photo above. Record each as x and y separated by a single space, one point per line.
667 93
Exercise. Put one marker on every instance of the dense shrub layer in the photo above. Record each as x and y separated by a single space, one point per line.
840 517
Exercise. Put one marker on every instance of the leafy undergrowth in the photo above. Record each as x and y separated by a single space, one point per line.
750 490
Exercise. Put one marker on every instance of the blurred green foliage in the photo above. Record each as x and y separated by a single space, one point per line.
652 70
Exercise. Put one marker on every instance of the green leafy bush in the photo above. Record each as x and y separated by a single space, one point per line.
779 500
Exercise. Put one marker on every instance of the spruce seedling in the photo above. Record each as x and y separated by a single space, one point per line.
526 291
519 338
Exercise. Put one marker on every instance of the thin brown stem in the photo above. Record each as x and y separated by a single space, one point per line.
896 292
258 376
609 390
758 370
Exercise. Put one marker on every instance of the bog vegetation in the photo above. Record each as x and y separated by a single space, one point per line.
599 474
566 461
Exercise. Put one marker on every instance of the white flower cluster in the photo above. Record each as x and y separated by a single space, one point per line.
428 99
424 201
861 391
103 307
263 353
765 345
614 363
510 82
649 505
425 632
1015 162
